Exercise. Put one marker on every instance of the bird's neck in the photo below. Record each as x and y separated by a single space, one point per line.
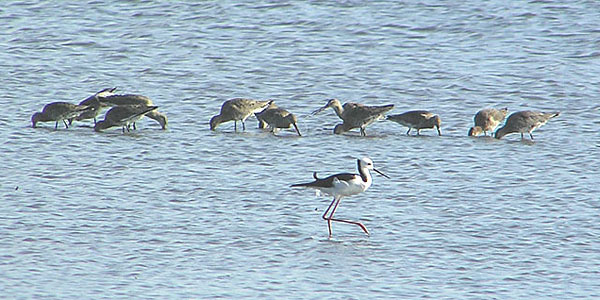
339 110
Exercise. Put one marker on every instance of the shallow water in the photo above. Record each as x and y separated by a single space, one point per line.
190 213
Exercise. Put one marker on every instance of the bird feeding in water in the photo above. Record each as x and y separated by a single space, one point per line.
238 109
354 115
59 111
342 185
524 121
93 101
276 117
418 119
124 116
134 99
487 120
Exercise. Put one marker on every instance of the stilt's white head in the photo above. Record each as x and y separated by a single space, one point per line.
367 163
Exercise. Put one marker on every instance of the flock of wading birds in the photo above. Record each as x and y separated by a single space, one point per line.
128 108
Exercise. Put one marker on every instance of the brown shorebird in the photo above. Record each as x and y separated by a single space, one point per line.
93 101
238 109
487 120
275 118
123 115
354 115
132 99
524 121
341 185
418 119
59 111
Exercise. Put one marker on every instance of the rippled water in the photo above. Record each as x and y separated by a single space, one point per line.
190 213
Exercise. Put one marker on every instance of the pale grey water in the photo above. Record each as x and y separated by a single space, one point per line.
189 213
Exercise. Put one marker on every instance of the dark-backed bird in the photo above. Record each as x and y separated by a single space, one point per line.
275 117
124 116
133 99
342 185
418 119
97 105
354 115
487 120
59 111
238 109
524 122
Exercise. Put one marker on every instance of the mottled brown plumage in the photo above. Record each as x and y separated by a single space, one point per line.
355 115
124 116
238 109
58 111
276 117
418 119
133 99
487 120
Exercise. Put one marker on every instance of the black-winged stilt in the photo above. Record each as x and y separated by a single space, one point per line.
341 185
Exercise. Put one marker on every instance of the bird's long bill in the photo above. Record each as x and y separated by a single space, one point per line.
381 173
297 130
319 110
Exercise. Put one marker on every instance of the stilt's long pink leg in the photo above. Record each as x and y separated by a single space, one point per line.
330 218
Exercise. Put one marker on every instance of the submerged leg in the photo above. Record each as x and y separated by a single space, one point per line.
134 126
243 126
56 125
531 136
235 125
521 135
408 132
66 125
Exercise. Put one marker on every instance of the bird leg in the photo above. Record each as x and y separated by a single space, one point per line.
326 211
408 132
66 125
362 132
531 136
330 218
521 135
134 126
243 126
235 125
56 125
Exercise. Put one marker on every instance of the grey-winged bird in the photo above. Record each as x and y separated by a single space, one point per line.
355 115
275 117
59 111
418 119
487 120
238 109
524 122
124 116
133 99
